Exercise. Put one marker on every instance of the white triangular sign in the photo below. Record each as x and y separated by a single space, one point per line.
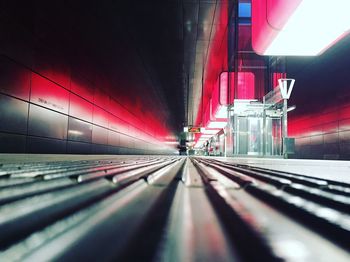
285 90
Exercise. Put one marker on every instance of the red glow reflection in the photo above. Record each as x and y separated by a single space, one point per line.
216 59
139 128
48 94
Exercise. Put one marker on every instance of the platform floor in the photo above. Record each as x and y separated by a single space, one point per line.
172 208
326 169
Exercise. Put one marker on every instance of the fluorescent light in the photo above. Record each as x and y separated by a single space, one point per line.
75 132
291 108
312 28
216 124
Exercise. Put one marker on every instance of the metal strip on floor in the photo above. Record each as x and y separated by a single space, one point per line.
168 208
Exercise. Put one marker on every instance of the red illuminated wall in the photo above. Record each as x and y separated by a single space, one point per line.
217 59
60 94
251 68
322 133
321 121
40 115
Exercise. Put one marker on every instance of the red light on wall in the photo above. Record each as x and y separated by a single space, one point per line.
217 108
275 77
223 89
245 85
299 27
219 100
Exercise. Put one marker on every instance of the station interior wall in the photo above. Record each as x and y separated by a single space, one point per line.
321 121
59 95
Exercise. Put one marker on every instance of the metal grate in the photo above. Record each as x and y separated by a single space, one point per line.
158 208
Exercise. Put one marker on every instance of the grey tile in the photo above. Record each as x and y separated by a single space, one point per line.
78 147
344 137
113 138
113 150
11 143
79 130
331 138
99 135
46 123
99 149
125 141
316 140
13 115
46 145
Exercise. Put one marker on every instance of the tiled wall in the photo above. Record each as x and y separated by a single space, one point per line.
38 115
59 95
321 121
324 134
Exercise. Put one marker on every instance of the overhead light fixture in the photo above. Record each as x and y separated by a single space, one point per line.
291 108
298 27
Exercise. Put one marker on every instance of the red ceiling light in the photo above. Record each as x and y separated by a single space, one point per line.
219 98
298 27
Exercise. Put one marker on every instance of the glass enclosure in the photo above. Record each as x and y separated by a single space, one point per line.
254 129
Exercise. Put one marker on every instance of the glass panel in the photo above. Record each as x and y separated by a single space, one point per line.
255 136
277 137
242 139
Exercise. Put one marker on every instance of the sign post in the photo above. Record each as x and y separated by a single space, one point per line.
283 92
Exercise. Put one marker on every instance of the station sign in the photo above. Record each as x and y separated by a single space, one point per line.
283 91
194 129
